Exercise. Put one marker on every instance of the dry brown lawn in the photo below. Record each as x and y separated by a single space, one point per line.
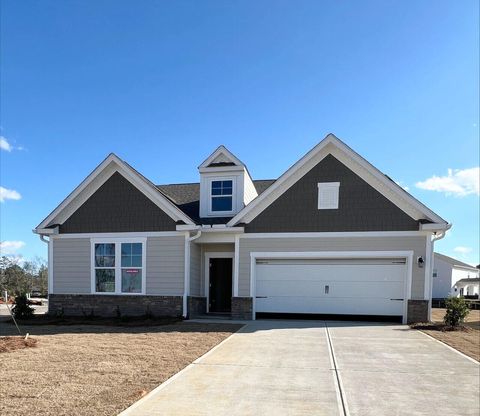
466 340
97 370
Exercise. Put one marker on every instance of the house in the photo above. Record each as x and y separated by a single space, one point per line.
332 235
452 277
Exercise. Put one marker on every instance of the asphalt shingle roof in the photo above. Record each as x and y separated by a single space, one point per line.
186 196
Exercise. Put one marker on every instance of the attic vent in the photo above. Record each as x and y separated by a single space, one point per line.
328 193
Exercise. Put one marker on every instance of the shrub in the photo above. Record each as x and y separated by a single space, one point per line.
457 311
22 310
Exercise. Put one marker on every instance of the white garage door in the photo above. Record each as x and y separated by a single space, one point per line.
331 286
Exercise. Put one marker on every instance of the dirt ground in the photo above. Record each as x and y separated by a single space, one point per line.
97 370
466 340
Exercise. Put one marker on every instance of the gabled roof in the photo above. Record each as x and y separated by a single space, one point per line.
332 145
455 262
99 175
221 157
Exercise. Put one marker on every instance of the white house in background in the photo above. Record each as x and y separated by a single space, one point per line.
452 277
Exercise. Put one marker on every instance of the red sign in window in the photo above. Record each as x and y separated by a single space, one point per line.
132 270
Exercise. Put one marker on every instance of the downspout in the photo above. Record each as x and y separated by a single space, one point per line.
50 265
186 289
435 237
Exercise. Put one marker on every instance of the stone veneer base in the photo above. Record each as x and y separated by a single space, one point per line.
417 311
242 308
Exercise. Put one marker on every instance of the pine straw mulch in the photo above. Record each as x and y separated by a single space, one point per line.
9 344
98 370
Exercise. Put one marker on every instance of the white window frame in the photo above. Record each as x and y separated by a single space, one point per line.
210 196
118 264
328 186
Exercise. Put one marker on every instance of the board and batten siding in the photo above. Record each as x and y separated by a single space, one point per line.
164 262
299 244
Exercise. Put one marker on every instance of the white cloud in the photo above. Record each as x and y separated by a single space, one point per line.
4 145
10 247
458 182
8 194
462 250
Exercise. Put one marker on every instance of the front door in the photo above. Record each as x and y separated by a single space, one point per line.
220 285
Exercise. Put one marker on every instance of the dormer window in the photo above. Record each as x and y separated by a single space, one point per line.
221 192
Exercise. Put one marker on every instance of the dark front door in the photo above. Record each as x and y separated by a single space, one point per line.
220 285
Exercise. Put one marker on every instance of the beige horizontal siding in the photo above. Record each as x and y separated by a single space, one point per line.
248 245
195 274
165 265
71 266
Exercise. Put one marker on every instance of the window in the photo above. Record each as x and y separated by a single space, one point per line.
222 196
328 193
118 267
435 273
131 267
104 267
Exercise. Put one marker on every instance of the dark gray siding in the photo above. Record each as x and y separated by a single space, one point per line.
117 206
361 207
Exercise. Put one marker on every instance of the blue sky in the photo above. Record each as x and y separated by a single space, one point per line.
162 84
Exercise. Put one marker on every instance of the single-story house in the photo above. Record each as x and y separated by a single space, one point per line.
452 277
331 235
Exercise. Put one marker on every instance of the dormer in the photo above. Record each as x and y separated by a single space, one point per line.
225 185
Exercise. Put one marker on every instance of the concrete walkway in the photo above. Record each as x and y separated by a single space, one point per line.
321 368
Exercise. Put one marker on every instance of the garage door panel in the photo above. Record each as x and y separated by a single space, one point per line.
335 289
355 286
360 306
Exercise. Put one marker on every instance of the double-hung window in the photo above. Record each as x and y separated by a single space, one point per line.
118 266
221 195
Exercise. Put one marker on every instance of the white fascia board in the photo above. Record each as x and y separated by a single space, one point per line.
221 150
219 169
435 227
332 145
224 230
46 231
111 165
187 227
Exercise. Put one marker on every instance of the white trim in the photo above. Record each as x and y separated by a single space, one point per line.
215 255
326 186
118 264
209 181
139 181
121 235
332 145
435 227
186 282
407 254
236 266
227 153
346 234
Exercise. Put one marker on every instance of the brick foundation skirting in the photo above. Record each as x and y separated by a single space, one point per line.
114 305
197 306
242 308
417 311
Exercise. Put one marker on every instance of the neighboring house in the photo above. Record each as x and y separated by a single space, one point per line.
332 235
452 277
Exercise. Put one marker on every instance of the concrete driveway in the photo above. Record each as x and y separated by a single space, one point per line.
321 368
